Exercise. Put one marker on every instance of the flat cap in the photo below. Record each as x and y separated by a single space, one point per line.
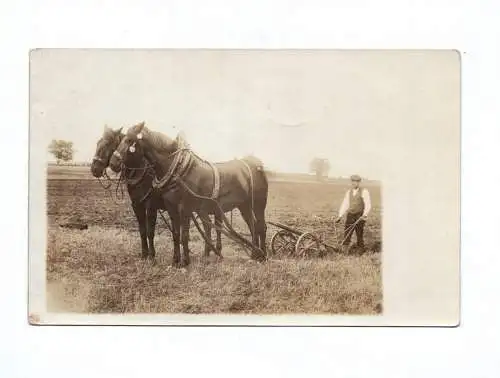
355 178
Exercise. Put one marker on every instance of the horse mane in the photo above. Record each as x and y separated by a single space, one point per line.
108 134
160 141
181 141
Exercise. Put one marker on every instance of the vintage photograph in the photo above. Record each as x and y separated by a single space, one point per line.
237 182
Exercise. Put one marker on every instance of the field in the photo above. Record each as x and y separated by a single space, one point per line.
98 270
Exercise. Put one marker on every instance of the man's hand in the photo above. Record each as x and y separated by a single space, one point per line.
364 218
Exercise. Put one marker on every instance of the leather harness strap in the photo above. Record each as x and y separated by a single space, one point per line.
216 190
168 176
179 166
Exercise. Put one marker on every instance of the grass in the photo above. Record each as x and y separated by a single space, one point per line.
103 273
98 270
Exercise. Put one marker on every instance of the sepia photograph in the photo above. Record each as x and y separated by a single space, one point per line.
266 187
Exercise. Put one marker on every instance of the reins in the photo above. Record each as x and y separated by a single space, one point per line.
108 179
349 229
122 180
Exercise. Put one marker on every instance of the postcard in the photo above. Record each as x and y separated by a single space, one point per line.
244 187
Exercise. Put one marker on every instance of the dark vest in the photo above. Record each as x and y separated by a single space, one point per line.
356 203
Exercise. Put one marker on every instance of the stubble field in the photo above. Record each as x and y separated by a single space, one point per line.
98 270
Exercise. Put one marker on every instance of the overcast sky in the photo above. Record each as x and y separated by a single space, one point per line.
284 107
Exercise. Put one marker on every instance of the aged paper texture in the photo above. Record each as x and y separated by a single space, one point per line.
346 163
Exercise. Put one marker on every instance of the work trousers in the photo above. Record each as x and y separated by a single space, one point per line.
358 228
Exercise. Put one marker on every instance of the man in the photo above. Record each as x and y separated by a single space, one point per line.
357 205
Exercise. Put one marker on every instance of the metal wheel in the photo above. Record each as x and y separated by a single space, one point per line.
307 245
283 243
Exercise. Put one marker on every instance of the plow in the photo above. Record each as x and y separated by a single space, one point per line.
286 241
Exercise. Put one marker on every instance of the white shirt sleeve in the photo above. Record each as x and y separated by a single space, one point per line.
345 205
368 203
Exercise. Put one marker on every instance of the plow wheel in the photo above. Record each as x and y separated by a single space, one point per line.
283 243
307 245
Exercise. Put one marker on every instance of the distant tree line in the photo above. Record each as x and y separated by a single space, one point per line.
320 167
62 150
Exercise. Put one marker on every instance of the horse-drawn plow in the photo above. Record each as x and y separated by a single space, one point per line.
290 242
164 173
286 241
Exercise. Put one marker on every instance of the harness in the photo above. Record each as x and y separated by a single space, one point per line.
183 159
180 163
216 190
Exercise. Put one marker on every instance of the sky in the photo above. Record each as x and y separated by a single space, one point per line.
285 107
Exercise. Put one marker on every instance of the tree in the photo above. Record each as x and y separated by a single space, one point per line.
320 167
62 150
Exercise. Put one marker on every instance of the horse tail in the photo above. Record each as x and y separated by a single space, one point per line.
262 187
263 174
259 167
251 188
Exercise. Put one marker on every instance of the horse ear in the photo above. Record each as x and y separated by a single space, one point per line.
119 131
140 126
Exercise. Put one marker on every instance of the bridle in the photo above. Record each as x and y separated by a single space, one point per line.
124 168
119 156
104 173
99 159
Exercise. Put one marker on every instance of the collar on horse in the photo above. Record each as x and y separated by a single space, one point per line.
178 167
183 158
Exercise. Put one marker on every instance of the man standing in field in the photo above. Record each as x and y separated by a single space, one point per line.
357 205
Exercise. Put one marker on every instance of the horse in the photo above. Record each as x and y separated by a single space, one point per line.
138 175
203 187
139 179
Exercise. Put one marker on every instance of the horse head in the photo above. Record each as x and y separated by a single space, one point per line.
140 142
129 147
104 150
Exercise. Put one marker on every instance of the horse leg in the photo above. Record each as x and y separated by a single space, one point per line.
246 213
152 212
260 225
207 227
185 222
176 235
140 213
218 246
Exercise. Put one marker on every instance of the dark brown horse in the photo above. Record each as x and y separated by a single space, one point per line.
233 184
139 179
